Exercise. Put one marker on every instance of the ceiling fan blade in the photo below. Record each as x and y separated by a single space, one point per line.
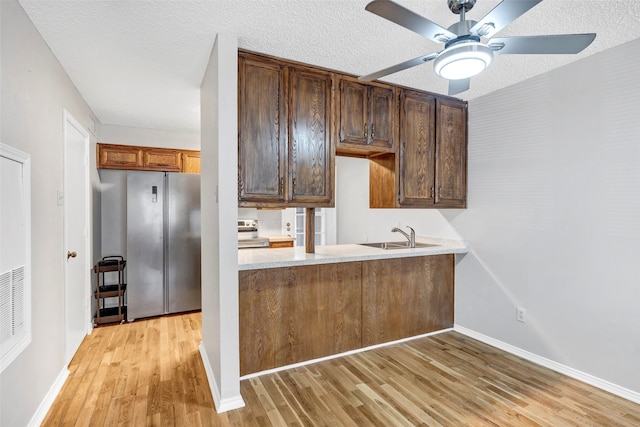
502 15
410 20
555 44
399 67
458 86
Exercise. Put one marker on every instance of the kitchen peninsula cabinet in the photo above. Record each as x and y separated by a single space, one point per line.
430 167
285 151
289 315
405 297
293 311
368 118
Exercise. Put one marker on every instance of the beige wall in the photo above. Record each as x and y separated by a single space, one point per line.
219 207
127 135
554 218
35 90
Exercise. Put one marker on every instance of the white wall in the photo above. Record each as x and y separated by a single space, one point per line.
35 90
113 186
554 217
126 135
219 188
356 223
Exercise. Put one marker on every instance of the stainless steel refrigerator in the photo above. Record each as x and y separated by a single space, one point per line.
163 243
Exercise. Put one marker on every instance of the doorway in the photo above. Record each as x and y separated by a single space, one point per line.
77 271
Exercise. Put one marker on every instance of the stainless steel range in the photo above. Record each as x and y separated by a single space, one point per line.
248 235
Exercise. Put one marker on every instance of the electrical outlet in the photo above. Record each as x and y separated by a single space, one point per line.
521 315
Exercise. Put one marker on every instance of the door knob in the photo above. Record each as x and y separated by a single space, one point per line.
71 254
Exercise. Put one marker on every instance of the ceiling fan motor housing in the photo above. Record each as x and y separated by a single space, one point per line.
456 6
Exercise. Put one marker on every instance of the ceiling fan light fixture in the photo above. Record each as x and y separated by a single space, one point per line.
463 60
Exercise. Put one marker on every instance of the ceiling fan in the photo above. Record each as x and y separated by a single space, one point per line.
465 54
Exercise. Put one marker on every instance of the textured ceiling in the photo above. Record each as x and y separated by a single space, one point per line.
140 63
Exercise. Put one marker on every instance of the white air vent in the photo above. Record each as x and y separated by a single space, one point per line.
6 309
11 304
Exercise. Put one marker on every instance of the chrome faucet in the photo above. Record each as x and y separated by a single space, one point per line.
411 238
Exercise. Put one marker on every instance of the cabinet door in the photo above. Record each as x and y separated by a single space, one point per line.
417 149
311 154
262 143
353 113
191 161
451 154
162 160
119 157
405 297
381 117
289 315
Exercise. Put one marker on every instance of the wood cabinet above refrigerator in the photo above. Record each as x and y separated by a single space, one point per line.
130 157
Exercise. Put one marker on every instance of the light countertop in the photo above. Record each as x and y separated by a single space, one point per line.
254 259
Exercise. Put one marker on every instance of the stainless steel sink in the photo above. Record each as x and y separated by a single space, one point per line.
396 245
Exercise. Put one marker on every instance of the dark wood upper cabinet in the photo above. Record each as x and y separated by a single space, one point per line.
451 153
311 155
293 119
285 151
382 117
429 169
262 138
367 118
417 149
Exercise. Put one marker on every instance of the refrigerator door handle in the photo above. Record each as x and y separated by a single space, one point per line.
154 194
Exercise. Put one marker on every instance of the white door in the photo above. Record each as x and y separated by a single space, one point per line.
77 278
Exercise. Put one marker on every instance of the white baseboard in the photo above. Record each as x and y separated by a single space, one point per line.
49 398
222 405
612 388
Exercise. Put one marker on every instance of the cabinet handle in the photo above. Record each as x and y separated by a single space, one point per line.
373 130
294 186
365 130
432 191
439 191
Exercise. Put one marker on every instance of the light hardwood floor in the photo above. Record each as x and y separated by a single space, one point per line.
150 373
